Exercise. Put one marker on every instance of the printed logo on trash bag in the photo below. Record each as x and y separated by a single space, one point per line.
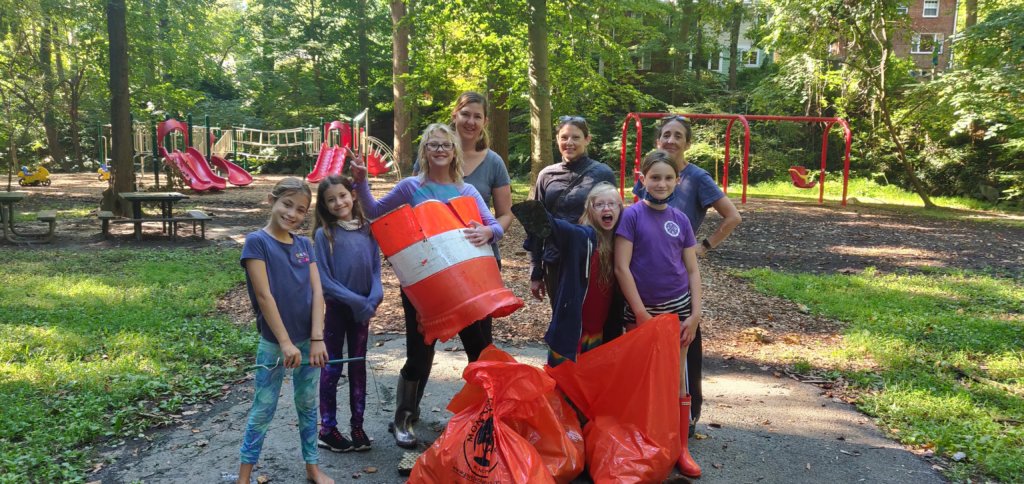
478 448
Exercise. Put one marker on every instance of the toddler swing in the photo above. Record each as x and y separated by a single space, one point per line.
801 177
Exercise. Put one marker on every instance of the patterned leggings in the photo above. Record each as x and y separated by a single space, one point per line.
341 327
269 378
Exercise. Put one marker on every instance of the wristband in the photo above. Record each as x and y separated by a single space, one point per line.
321 340
706 244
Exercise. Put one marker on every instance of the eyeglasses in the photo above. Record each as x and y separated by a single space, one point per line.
440 146
571 119
675 117
604 205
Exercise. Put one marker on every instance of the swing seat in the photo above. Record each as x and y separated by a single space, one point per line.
801 177
376 164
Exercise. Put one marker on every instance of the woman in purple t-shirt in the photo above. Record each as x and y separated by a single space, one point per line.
656 266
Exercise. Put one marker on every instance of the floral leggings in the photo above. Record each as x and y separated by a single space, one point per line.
269 377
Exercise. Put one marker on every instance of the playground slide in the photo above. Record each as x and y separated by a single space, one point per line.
198 163
177 160
323 164
237 176
338 163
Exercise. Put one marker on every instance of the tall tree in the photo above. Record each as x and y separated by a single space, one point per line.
540 89
123 170
735 22
49 89
400 73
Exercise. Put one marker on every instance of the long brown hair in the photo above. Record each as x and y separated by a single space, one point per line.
605 238
322 216
473 97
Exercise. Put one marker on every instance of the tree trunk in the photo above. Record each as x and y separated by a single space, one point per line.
540 89
399 72
685 29
497 115
123 171
49 88
74 101
699 62
364 55
972 13
497 126
734 40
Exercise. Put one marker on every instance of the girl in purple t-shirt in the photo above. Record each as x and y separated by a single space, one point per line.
656 266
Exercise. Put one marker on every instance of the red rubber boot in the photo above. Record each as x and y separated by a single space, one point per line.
687 466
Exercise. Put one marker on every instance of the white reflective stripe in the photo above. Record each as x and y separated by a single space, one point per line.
428 257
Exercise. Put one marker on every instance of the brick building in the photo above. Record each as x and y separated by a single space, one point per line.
932 23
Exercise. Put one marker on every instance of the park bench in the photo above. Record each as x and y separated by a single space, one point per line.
196 217
49 217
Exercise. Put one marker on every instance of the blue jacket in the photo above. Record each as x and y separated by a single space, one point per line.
576 244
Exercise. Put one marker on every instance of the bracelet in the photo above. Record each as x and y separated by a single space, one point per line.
311 339
707 244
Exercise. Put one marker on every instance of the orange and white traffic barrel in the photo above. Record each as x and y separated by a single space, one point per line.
449 281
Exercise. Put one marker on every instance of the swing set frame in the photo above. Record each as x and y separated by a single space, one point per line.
744 119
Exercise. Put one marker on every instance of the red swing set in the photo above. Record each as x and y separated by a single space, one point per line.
801 176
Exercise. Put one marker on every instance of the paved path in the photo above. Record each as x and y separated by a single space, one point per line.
759 428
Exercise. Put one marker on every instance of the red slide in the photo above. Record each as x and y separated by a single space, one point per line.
196 173
177 160
323 164
237 176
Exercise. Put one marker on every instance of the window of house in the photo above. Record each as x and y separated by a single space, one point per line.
902 10
715 63
925 43
750 58
644 63
931 8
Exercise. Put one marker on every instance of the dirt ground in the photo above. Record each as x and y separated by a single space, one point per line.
783 235
739 323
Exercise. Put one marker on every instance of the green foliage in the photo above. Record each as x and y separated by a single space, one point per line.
948 347
101 345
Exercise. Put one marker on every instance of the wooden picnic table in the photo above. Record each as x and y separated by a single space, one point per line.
166 200
7 202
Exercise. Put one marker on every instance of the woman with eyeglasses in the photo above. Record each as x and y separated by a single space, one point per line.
694 194
441 179
563 188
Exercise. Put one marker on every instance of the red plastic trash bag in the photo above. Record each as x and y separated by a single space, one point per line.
629 391
510 425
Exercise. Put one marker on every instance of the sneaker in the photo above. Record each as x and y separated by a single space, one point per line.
334 441
534 218
360 441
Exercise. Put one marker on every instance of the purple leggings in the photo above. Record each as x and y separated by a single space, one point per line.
340 326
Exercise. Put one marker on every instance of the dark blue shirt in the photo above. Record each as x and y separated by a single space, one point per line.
288 267
350 269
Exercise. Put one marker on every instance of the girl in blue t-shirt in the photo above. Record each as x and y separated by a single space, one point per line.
656 266
284 288
351 279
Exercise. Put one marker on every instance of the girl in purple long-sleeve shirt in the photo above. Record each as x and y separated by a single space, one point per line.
440 178
352 290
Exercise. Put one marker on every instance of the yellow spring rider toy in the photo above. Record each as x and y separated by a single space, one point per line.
103 173
34 178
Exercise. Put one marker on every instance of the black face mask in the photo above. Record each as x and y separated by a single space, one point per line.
664 201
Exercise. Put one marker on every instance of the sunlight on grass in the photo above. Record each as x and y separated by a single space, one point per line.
101 344
868 192
950 360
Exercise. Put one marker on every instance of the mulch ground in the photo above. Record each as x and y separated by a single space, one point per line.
782 235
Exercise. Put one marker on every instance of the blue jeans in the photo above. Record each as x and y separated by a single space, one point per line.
269 378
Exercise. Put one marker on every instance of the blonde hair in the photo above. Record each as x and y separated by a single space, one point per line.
455 167
605 238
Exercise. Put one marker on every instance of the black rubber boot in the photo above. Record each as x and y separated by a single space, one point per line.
405 395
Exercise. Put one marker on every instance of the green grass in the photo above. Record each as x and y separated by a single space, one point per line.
100 345
950 353
77 212
520 189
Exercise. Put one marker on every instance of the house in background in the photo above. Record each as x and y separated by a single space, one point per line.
932 23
